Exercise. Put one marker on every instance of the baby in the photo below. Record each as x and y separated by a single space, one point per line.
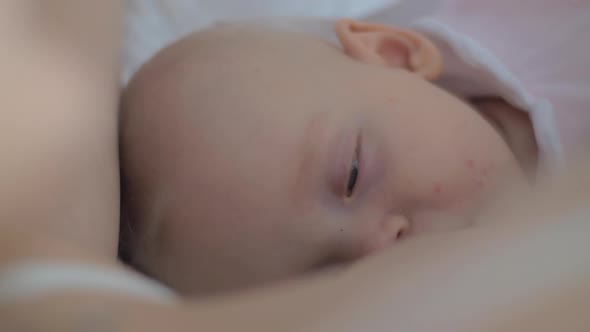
251 154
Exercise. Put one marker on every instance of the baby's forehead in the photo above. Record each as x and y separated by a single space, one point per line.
218 88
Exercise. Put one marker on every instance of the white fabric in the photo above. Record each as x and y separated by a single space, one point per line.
544 43
152 24
32 279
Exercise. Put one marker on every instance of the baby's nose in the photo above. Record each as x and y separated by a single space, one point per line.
392 229
396 227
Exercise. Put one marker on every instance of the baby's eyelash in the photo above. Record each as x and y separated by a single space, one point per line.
352 178
354 171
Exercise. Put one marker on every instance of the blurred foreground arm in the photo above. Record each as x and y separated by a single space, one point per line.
58 120
531 277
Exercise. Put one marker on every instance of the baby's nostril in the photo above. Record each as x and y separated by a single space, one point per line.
394 227
400 233
403 231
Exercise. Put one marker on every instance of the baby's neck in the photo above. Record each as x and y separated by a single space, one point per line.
516 128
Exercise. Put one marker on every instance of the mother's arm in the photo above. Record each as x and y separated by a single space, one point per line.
532 277
535 277
58 121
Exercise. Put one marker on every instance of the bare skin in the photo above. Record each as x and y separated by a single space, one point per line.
239 143
59 121
559 303
486 279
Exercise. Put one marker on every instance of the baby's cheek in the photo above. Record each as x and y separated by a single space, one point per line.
481 175
469 186
454 200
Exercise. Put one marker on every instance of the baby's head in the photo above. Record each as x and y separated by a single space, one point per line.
250 155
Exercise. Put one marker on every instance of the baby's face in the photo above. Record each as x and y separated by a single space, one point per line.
290 155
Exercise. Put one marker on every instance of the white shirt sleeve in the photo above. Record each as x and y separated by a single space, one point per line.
33 279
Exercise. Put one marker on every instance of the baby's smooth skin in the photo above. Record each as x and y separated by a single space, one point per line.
250 155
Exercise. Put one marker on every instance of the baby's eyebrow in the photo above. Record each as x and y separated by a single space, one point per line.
311 149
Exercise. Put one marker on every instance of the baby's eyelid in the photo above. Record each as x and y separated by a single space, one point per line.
354 173
352 179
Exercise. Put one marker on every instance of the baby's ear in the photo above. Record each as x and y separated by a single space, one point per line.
391 47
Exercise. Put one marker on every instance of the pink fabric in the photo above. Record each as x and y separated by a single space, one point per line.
546 44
